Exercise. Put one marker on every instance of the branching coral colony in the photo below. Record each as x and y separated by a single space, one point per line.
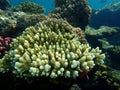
49 51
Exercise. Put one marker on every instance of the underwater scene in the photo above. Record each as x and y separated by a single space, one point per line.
60 44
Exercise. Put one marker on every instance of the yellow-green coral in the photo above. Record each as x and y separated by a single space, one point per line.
49 51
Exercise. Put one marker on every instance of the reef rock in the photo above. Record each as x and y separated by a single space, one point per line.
108 39
108 16
30 7
4 4
76 12
13 22
109 34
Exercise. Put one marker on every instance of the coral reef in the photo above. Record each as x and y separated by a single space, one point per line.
79 34
13 22
108 39
76 12
49 52
114 54
104 33
4 45
16 21
30 7
109 76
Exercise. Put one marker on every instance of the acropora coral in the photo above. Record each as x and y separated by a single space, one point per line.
78 32
49 51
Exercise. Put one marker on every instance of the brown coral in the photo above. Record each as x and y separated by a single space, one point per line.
4 45
76 12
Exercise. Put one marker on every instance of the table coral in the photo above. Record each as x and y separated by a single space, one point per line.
49 51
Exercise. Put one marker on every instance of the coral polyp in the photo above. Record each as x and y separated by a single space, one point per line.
49 51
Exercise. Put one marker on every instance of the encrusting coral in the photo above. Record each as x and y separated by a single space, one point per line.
49 51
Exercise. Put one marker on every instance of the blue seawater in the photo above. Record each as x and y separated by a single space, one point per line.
49 4
96 4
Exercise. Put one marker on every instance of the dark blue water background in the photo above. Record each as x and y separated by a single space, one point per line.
97 4
49 4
